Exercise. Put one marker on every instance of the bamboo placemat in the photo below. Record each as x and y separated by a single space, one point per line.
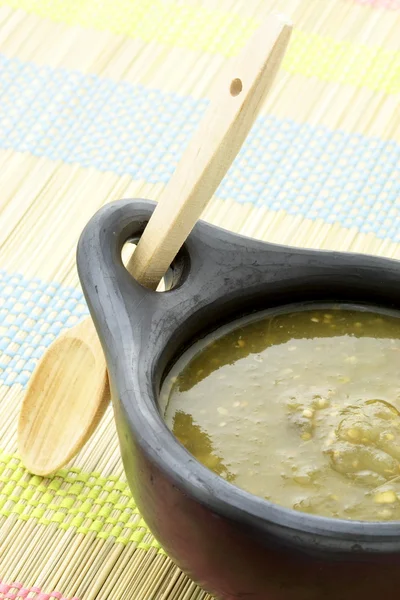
97 101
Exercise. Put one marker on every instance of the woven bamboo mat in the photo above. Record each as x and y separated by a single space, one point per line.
97 101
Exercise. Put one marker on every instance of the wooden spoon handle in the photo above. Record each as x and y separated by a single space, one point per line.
235 103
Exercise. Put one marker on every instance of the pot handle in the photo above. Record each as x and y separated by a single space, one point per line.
212 268
109 289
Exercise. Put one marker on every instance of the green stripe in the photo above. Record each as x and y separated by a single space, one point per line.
86 502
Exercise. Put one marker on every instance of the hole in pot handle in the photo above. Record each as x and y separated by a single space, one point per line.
173 275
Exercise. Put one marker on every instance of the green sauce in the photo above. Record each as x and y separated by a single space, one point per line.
300 408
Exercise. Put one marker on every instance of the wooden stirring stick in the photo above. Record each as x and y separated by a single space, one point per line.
68 391
235 103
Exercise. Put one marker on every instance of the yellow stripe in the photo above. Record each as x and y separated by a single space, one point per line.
343 62
198 28
163 21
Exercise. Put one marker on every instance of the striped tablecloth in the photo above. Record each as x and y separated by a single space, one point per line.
98 99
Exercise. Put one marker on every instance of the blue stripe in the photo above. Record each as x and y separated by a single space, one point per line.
32 314
128 129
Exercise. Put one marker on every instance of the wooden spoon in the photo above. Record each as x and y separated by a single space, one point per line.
68 391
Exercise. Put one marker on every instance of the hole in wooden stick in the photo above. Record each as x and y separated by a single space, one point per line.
236 87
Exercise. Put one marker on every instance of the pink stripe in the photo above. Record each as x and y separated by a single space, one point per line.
16 591
390 4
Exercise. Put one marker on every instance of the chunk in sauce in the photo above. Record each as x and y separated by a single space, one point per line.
300 408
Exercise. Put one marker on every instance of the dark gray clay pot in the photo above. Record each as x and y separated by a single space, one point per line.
235 545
